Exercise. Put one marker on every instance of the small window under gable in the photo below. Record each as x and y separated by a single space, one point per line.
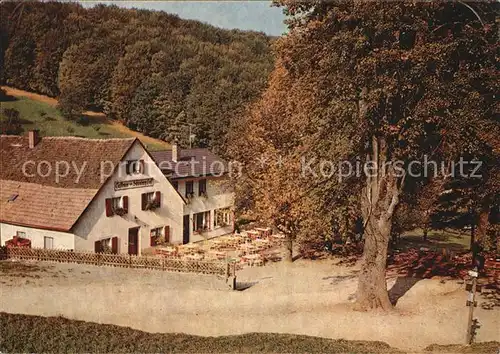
135 167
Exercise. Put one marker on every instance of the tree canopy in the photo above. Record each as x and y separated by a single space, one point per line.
145 68
383 83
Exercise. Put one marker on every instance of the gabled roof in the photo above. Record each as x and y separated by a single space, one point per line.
190 163
41 206
78 153
39 199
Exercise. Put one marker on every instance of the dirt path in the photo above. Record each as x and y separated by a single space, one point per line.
312 298
115 124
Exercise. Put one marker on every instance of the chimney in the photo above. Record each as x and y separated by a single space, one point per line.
175 155
33 138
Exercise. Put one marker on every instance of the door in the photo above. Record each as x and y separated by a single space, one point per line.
185 229
133 241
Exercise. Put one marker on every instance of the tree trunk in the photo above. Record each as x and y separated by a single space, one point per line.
482 225
289 249
379 200
426 230
372 287
473 230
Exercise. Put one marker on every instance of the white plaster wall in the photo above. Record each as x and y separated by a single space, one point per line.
220 195
95 225
62 240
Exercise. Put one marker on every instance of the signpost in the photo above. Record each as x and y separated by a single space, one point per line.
472 323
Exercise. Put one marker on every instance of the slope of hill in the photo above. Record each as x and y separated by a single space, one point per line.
155 72
40 112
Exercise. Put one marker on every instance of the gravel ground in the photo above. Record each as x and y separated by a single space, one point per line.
308 297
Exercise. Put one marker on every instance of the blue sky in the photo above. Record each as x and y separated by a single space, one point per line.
245 15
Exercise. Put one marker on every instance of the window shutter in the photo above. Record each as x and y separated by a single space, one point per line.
109 207
158 198
97 246
143 201
141 166
125 203
167 234
114 245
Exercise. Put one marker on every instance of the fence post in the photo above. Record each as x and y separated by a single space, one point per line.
230 278
98 259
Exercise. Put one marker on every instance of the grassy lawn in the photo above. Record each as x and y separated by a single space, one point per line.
47 118
22 333
436 240
50 122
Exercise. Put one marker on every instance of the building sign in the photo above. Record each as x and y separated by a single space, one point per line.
136 183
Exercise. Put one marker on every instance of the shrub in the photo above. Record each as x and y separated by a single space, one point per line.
83 120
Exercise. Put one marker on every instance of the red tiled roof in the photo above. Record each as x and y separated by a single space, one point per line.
42 206
39 199
190 163
89 154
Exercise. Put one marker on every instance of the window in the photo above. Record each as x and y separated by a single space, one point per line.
189 189
151 200
201 221
48 242
202 187
21 234
117 206
176 185
106 245
155 235
222 217
116 203
135 167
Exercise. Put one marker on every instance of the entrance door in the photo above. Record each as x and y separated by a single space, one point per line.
185 229
133 241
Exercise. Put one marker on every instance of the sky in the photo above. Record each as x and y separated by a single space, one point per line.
245 15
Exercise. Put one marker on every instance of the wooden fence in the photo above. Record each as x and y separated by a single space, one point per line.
124 260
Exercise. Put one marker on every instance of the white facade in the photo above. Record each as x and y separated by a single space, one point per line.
60 240
94 225
219 196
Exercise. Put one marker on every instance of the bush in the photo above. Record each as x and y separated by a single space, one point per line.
83 120
10 122
70 130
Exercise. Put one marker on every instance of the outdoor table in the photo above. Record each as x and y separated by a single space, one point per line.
253 234
217 254
167 251
190 245
248 248
195 257
265 232
262 241
253 258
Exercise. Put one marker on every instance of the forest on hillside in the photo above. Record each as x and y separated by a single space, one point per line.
155 72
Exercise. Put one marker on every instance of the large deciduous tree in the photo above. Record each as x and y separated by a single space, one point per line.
384 83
